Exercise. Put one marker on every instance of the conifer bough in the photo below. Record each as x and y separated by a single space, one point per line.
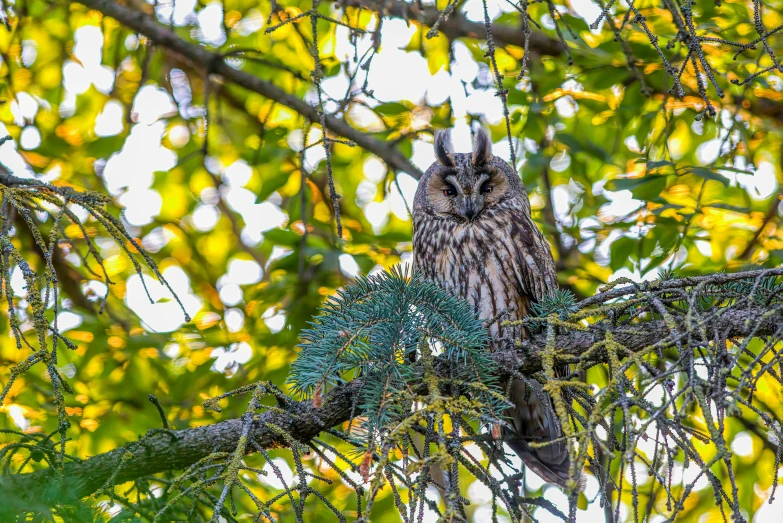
750 309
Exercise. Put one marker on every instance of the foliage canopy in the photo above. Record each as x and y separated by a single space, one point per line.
167 160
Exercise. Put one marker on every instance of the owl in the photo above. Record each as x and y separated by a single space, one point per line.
473 235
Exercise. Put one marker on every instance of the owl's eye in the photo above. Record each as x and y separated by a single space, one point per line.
487 188
449 191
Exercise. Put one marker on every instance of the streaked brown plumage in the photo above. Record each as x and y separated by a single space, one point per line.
473 234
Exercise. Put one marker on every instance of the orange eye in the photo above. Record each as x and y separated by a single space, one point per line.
487 188
449 191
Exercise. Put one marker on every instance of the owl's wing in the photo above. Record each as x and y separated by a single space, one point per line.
532 416
534 266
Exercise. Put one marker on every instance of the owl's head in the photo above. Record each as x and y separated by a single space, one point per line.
462 185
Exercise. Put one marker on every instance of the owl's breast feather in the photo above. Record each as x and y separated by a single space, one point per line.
475 261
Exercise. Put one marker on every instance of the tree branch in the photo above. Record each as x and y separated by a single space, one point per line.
540 44
662 285
215 63
179 449
302 421
457 26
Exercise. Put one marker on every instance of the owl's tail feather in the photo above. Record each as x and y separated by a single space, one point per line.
556 474
533 421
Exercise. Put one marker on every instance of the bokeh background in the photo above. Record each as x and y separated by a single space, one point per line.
229 190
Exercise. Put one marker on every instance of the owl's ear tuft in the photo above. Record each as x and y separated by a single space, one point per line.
444 150
482 147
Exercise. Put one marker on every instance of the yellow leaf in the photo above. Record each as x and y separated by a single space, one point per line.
84 336
114 265
89 424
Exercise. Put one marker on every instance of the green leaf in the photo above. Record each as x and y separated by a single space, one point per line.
620 252
585 146
391 109
655 261
707 174
606 79
105 147
331 69
282 237
729 207
734 170
272 183
645 188
535 126
654 164
665 207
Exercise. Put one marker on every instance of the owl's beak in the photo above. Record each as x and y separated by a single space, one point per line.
471 209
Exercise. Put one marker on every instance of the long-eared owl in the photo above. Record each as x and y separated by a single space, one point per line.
474 236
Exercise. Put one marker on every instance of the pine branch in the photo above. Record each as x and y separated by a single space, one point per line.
302 421
659 285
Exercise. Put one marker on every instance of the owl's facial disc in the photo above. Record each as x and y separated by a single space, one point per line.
462 185
466 196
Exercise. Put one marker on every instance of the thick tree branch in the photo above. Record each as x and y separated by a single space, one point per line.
540 44
457 26
180 449
302 421
732 323
215 63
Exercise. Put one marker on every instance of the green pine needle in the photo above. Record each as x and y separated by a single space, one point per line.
373 327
